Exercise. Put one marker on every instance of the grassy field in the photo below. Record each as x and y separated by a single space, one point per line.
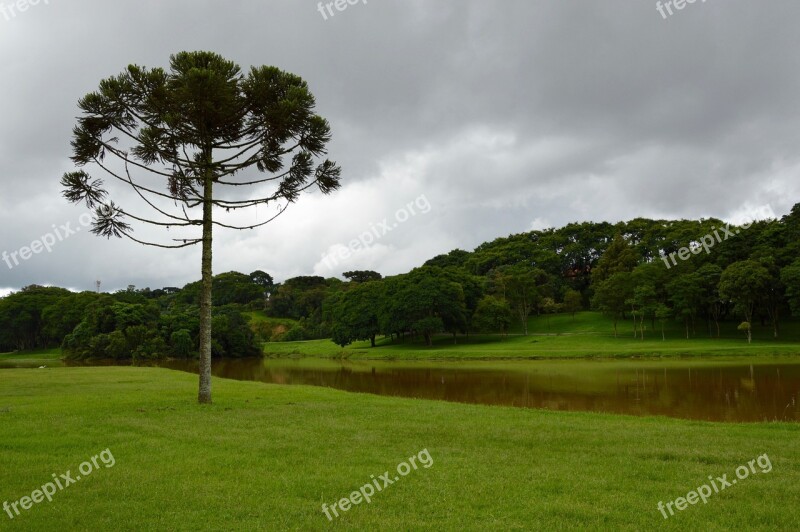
268 457
589 334
259 316
31 358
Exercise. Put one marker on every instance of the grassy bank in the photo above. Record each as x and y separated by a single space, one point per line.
589 334
267 457
31 358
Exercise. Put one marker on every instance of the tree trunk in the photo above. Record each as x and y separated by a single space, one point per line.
372 340
774 315
204 395
749 318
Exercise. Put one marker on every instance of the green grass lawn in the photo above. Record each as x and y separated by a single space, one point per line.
31 358
259 316
589 334
267 457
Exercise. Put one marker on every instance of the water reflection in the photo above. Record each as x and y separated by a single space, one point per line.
730 390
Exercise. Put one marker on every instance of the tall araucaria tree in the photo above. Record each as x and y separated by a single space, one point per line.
197 133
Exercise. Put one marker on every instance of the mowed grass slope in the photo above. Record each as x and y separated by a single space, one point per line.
589 334
267 457
31 358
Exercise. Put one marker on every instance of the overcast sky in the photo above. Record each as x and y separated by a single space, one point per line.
495 117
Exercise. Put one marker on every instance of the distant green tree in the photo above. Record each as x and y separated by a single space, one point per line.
362 276
182 344
618 258
130 295
473 288
790 275
76 343
265 282
712 303
612 295
118 346
791 235
152 347
232 334
493 315
262 279
573 302
521 285
743 283
687 296
99 346
227 288
353 314
645 301
64 314
423 301
663 313
581 245
773 298
456 258
747 328
23 314
299 297
655 275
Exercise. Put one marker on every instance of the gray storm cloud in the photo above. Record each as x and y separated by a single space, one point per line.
505 115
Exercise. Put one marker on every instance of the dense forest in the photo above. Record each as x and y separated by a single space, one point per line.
697 272
132 323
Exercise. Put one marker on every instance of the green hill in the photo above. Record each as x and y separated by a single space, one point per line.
590 334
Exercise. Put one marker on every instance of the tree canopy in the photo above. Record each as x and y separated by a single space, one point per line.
193 135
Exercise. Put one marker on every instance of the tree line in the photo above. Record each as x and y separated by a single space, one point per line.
618 269
614 268
131 323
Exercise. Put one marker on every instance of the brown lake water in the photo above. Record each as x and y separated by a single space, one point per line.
730 390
